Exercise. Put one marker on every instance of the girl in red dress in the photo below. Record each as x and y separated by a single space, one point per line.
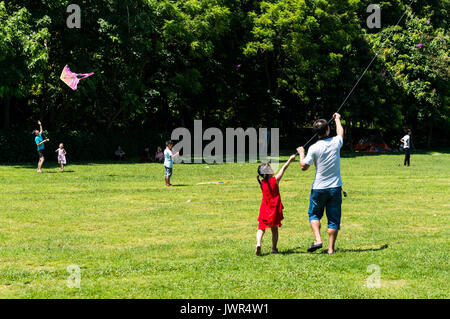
271 210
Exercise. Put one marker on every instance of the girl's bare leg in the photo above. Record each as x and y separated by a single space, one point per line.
274 239
259 236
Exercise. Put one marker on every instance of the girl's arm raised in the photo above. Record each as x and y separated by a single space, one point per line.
283 169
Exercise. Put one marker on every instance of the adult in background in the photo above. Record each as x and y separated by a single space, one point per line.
326 189
119 154
406 140
40 146
159 155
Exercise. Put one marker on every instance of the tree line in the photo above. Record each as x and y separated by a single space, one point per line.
160 64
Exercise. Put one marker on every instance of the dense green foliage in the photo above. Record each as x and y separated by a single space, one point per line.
160 64
134 238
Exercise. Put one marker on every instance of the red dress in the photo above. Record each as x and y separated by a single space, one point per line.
271 210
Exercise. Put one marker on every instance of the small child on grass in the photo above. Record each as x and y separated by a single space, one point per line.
61 157
271 210
168 162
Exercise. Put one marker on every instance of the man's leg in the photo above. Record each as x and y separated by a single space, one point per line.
406 161
315 226
315 212
334 216
332 233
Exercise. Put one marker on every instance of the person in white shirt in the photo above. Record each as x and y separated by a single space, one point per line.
168 162
326 191
406 140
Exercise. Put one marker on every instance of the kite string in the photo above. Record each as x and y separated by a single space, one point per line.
362 75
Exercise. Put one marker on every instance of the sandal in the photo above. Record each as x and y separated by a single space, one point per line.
314 247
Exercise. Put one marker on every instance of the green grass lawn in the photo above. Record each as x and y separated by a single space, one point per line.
134 238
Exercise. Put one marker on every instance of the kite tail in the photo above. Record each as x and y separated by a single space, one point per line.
84 75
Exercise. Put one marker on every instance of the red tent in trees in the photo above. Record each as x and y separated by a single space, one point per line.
372 144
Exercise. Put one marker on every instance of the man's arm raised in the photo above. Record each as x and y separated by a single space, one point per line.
339 128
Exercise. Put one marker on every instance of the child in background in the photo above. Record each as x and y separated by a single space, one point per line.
168 162
61 157
271 210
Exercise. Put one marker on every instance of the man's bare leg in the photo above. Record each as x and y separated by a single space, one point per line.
332 233
315 225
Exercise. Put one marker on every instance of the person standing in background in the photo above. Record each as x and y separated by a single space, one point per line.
406 140
40 146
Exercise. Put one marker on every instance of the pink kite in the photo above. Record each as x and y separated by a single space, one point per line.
72 79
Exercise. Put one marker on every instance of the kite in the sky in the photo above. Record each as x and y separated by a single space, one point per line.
72 79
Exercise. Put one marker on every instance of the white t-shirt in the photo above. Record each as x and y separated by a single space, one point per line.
406 141
325 154
168 161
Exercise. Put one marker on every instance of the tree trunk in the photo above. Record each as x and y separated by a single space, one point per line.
6 114
266 69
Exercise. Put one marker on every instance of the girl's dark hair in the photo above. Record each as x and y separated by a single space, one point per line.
262 171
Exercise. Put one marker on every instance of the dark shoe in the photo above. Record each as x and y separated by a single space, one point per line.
314 247
258 251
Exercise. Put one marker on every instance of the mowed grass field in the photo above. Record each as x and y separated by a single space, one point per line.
134 238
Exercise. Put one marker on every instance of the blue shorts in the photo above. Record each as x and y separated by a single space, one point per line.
168 171
330 198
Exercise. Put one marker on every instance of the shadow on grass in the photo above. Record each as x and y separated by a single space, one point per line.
358 250
56 172
297 250
290 251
